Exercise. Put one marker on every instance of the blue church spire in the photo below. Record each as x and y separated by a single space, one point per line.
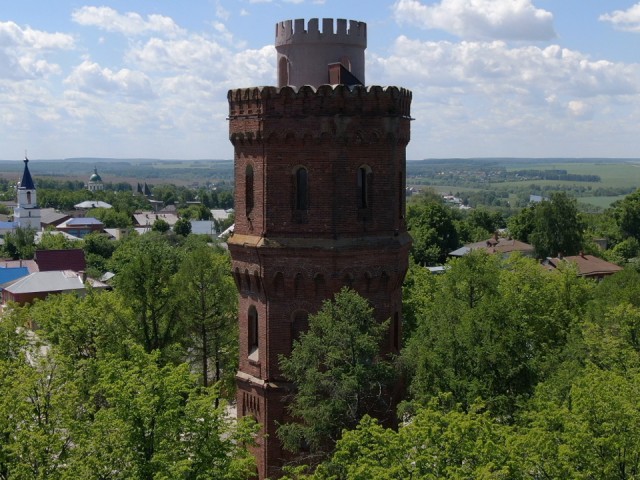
27 181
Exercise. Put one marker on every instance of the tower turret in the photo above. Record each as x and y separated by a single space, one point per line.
305 54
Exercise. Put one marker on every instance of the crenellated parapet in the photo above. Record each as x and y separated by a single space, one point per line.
307 106
350 32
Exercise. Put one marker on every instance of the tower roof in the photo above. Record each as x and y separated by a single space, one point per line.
27 182
95 177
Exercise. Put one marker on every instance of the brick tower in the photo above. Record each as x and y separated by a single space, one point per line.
319 202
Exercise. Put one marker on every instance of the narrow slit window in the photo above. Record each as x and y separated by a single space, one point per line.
302 189
248 189
253 333
363 187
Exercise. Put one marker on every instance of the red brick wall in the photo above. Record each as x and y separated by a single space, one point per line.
287 261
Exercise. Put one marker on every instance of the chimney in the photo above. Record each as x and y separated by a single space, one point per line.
83 276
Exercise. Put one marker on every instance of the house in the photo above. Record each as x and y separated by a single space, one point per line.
39 285
80 227
147 219
496 244
588 266
49 217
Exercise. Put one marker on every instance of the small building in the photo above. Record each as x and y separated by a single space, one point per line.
80 227
40 285
496 244
49 217
95 182
147 219
589 266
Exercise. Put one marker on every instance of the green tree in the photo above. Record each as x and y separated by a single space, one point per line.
338 373
557 226
492 329
433 230
440 442
593 433
153 422
56 241
522 225
111 218
20 243
209 307
98 249
160 225
182 227
627 214
144 267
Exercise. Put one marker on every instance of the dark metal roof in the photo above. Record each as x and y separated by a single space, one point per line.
73 259
27 181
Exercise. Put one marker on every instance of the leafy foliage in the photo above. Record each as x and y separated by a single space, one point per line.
339 375
433 230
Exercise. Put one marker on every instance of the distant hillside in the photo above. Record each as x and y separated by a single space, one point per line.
179 172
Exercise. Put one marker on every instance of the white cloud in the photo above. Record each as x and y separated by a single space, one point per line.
479 19
493 67
488 99
90 78
12 35
196 53
222 12
580 109
628 20
130 24
22 51
204 57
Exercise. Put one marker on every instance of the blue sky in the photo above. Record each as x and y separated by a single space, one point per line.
148 79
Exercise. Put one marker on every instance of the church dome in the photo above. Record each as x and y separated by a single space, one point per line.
95 177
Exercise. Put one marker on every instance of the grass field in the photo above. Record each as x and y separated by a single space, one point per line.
618 174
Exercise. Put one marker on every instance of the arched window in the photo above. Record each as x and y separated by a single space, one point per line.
320 285
302 189
299 325
278 284
252 331
367 282
364 186
248 189
29 198
247 281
